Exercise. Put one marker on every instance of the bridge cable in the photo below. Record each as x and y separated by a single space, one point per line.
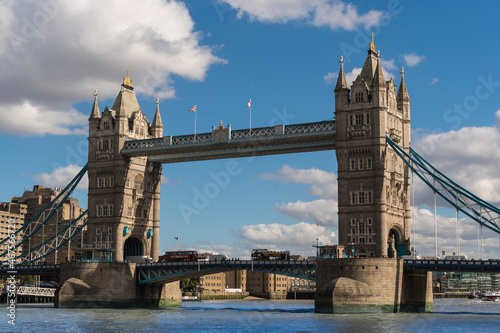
454 194
58 201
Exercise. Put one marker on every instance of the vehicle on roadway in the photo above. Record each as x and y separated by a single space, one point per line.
264 254
170 256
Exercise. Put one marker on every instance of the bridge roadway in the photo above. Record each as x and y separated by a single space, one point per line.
225 143
158 273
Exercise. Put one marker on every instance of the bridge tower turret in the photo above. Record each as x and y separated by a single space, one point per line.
124 192
373 183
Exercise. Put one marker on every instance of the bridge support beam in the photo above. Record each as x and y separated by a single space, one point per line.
101 285
355 285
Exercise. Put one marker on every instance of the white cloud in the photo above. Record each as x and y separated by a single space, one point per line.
55 54
62 176
319 13
323 183
497 118
434 81
296 238
331 77
425 241
412 59
322 212
465 158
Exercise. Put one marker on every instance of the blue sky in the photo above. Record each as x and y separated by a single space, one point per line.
282 54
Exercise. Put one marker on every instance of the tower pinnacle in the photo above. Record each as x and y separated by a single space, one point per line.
341 80
372 45
127 81
95 108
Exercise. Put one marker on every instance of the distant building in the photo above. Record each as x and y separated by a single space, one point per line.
331 251
470 281
214 283
11 220
33 202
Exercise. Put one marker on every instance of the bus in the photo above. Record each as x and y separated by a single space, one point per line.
264 254
179 256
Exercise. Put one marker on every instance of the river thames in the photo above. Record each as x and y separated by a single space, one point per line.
457 315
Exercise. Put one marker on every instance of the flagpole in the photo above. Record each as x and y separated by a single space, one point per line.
195 112
250 119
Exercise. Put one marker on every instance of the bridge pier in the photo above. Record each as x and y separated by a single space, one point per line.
355 285
107 284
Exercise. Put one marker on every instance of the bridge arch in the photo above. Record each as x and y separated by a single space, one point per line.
396 246
133 247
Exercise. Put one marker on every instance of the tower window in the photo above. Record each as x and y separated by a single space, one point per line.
138 180
369 163
105 125
367 119
359 97
359 119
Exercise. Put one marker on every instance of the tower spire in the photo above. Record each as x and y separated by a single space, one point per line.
372 45
341 80
402 91
157 125
378 77
127 82
95 108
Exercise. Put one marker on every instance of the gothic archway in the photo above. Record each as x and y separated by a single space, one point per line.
132 247
395 246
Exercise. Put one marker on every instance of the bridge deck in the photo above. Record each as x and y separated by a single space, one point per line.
224 143
157 273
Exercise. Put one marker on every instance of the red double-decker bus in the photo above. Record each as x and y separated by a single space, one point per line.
179 256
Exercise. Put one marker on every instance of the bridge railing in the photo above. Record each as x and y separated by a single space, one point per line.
282 131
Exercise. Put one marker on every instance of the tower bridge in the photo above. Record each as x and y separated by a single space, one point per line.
371 139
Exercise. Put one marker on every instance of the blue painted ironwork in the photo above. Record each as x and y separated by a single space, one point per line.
52 244
452 265
474 207
30 269
159 273
40 219
279 139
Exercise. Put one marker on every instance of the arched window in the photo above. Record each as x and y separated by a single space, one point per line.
138 180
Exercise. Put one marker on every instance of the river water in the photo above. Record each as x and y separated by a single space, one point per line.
450 315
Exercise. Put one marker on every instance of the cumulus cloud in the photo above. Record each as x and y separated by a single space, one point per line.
62 176
323 183
424 239
497 118
412 59
465 158
296 238
321 212
53 56
318 13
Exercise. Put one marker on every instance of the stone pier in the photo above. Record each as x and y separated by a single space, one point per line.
102 284
354 285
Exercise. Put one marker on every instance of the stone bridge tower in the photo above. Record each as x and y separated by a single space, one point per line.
124 192
373 182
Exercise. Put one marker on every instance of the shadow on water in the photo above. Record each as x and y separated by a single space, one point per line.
249 310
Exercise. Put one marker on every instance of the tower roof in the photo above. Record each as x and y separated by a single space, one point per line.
95 108
402 91
368 71
157 119
341 80
126 101
378 77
